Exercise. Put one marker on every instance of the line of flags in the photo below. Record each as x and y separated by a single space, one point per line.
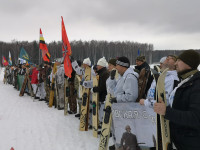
66 50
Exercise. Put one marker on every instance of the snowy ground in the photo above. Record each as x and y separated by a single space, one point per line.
28 125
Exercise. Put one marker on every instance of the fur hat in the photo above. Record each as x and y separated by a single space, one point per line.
123 61
102 62
87 61
112 61
191 58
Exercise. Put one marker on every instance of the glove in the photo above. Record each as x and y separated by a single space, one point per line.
81 82
113 100
71 58
40 80
95 89
112 74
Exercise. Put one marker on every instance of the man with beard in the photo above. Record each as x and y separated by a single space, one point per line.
184 109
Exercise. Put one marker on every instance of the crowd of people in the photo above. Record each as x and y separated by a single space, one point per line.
126 84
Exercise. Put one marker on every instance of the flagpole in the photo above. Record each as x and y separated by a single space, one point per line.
39 47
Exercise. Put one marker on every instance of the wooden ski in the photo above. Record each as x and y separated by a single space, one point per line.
66 92
51 97
85 103
163 134
95 108
107 120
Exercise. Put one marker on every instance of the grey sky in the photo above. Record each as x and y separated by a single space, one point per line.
168 24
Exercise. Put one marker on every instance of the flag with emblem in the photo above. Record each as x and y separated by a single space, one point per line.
66 49
23 54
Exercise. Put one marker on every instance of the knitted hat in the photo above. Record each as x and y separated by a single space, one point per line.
163 59
112 61
123 61
102 62
190 57
141 58
87 61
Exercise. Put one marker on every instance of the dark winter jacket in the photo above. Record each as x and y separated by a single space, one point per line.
130 141
48 72
144 65
42 75
184 116
103 76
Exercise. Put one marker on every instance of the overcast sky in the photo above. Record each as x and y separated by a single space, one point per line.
167 24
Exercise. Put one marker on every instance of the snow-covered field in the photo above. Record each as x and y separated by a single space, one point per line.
28 125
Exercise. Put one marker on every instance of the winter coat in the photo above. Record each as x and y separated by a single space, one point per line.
150 77
110 84
126 89
42 75
34 76
184 116
130 141
60 75
144 65
103 76
79 70
170 79
48 73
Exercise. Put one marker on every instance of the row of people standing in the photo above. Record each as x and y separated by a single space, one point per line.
116 77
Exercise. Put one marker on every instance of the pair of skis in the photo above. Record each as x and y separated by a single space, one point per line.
25 83
51 97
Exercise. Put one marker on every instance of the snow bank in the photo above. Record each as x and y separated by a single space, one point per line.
31 125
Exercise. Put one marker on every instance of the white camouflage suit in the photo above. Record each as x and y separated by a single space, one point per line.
169 85
60 85
86 84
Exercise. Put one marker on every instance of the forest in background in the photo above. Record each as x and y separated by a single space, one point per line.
83 49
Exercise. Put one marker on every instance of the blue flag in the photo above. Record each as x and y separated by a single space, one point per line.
23 54
138 52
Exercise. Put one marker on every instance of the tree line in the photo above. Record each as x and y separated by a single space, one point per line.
83 49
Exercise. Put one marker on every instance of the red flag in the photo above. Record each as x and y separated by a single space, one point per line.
66 48
43 47
4 61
